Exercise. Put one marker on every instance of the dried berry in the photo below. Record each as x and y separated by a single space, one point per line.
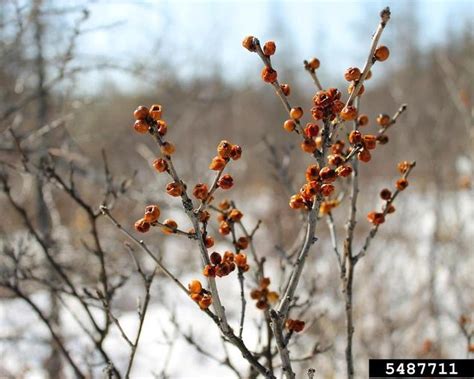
343 171
224 228
140 126
370 141
381 53
362 120
225 182
297 202
401 184
285 88
403 167
156 112
364 155
208 242
308 146
327 189
142 226
160 165
269 48
167 148
217 164
383 119
249 43
235 152
269 75
174 189
169 226
235 215
205 302
327 175
382 139
195 286
312 172
215 258
313 64
385 194
351 89
200 191
141 113
349 113
224 149
242 243
152 212
209 271
376 218
355 137
311 130
352 73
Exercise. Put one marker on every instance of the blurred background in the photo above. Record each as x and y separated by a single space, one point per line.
71 74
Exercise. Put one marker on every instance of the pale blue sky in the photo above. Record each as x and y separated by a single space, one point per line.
196 35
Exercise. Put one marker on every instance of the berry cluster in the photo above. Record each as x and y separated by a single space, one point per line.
223 265
377 218
263 295
327 104
199 294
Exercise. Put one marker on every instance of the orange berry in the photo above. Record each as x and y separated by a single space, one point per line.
217 164
269 48
297 202
200 191
249 43
235 215
289 125
383 119
402 184
141 113
195 286
376 218
403 167
236 152
224 148
169 226
343 171
224 205
228 256
298 326
152 212
314 64
261 304
225 182
208 242
335 159
390 209
327 175
311 130
205 302
209 271
265 282
174 189
308 146
269 75
327 189
224 228
167 148
382 139
285 88
162 127
240 259
338 147
355 137
312 172
204 216
364 155
362 120
160 165
381 53
370 141
352 74
296 113
242 243
349 113
142 226
156 112
140 126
